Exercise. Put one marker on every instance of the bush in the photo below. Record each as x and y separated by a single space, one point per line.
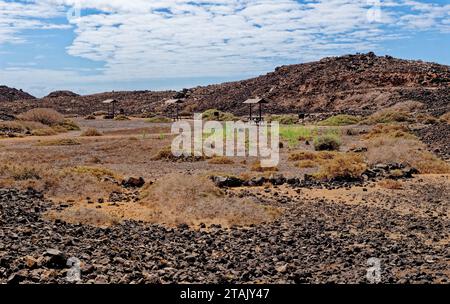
340 120
121 117
345 166
327 142
221 160
445 117
44 132
395 131
256 166
60 142
426 119
90 117
70 125
91 132
214 114
283 119
388 116
45 116
410 152
7 127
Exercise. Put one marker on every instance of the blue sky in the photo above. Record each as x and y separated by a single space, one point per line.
92 46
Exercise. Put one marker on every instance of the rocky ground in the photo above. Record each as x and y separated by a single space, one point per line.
316 240
437 137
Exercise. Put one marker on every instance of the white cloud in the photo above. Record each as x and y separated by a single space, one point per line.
143 39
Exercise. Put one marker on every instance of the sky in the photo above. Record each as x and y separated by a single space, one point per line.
90 46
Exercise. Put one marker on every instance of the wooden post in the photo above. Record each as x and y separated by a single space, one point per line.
113 109
260 112
250 111
177 117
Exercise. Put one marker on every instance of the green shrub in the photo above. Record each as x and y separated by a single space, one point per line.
388 116
283 119
327 142
121 117
213 114
340 120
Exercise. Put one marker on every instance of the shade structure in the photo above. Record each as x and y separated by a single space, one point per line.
260 102
111 107
176 102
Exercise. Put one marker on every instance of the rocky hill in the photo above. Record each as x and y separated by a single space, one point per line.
11 94
352 83
57 94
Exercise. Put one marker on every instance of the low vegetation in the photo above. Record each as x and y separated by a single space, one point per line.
167 155
44 116
332 165
404 150
37 122
391 184
340 120
177 199
445 117
345 166
387 116
256 167
221 160
327 142
213 114
91 132
121 117
60 142
287 119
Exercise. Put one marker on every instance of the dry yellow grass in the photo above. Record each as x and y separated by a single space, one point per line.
342 166
395 131
332 165
194 199
60 142
445 117
307 164
221 160
85 216
71 183
256 166
91 132
45 116
407 151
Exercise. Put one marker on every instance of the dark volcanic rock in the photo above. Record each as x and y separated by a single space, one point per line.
437 137
57 94
11 94
314 241
133 182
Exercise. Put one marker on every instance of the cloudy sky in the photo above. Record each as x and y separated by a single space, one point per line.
101 45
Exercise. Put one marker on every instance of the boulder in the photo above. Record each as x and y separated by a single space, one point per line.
227 181
133 182
56 259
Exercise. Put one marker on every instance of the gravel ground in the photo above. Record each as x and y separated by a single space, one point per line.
315 241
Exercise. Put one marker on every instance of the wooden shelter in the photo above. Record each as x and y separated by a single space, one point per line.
111 107
258 101
175 102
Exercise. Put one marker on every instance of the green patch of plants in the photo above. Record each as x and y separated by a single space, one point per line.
288 119
327 142
213 114
340 120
